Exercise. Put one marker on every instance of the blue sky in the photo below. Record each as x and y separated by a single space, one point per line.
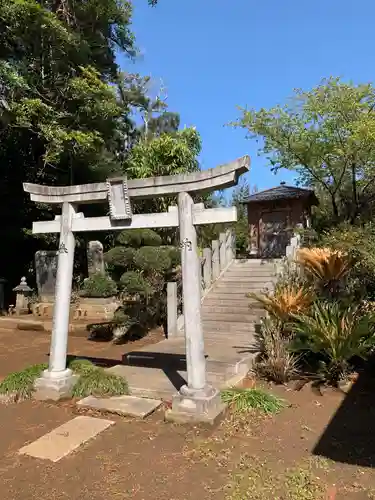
214 55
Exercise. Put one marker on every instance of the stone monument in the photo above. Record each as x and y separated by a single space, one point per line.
46 271
95 258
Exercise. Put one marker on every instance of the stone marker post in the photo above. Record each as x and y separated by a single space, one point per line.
207 267
46 270
215 260
172 307
222 251
229 245
95 258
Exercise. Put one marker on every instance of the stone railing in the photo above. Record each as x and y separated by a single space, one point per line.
288 263
214 261
292 248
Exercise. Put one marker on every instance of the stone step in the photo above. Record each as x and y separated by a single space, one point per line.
243 284
243 344
226 337
226 326
213 308
229 317
253 262
248 278
226 365
261 269
257 269
130 406
227 299
163 384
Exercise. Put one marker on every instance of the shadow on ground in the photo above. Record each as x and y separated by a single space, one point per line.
170 363
350 435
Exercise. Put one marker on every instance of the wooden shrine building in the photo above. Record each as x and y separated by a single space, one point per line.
273 215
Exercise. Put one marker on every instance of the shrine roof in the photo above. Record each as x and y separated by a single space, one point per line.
283 192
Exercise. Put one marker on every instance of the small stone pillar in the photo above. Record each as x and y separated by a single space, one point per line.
207 267
215 260
172 304
23 292
229 245
222 251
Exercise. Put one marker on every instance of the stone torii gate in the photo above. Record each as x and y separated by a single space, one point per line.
196 400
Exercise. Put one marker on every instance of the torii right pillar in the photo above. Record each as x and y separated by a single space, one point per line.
197 401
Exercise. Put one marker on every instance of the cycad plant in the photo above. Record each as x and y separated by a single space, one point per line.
336 334
275 362
326 266
286 300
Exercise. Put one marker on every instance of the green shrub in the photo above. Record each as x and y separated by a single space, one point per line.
99 383
142 267
138 237
21 384
120 257
252 399
275 362
99 285
336 334
174 255
358 242
153 259
134 283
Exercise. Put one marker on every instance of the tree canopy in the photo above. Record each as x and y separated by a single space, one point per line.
68 112
327 136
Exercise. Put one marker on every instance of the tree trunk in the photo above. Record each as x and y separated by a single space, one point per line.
354 210
334 206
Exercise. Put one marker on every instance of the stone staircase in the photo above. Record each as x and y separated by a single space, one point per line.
228 315
229 321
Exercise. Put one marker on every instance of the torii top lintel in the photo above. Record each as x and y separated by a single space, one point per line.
205 181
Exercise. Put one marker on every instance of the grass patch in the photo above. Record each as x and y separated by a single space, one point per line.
94 381
82 366
20 385
302 484
252 399
257 481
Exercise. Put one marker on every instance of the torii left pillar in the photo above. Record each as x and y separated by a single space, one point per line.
57 382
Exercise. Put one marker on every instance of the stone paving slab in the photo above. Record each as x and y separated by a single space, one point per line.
154 383
122 405
64 439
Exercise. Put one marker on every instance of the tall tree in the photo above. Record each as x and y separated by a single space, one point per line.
327 136
65 109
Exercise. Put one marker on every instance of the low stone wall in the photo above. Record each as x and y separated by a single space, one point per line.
95 309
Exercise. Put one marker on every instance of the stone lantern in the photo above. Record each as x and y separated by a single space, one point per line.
23 292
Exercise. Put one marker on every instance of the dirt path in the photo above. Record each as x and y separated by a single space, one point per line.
19 349
253 457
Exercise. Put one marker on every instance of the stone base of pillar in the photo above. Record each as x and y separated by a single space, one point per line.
54 385
196 406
